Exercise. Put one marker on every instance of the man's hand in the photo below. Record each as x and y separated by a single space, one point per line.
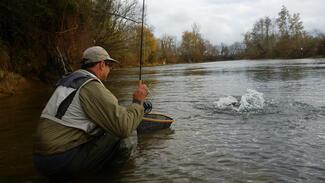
141 93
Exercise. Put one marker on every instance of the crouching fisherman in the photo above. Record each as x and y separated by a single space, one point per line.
82 127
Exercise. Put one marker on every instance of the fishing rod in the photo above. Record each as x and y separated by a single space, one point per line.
141 44
151 121
141 37
147 104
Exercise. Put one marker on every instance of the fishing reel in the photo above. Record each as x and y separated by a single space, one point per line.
147 105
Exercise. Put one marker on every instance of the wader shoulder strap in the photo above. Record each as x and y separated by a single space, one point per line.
65 105
75 80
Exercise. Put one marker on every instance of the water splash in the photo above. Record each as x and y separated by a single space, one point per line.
226 102
252 100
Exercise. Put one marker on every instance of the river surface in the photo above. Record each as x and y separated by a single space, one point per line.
238 121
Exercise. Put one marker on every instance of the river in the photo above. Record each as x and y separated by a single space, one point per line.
236 121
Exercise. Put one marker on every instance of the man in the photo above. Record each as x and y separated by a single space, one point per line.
83 127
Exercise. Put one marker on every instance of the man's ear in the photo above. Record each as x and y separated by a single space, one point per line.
102 65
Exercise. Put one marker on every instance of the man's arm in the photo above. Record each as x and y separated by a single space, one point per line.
103 109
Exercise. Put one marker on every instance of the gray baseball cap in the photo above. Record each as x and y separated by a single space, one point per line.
96 54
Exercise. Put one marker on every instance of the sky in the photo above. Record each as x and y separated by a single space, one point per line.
226 21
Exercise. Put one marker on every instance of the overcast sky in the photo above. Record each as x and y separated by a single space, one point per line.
226 20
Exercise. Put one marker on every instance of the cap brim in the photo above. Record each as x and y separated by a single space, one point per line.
113 60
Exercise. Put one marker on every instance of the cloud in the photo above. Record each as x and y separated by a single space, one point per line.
226 20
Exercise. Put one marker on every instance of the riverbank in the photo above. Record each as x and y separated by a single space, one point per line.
12 83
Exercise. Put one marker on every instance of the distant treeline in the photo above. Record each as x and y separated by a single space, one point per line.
280 37
45 38
283 37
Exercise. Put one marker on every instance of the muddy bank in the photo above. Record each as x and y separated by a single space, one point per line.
12 83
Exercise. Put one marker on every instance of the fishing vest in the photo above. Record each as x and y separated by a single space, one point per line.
64 105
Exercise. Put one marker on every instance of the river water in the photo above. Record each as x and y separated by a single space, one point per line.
236 121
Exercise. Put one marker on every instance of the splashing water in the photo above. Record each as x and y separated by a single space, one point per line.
252 100
226 102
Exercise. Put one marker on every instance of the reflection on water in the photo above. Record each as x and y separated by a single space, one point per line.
18 119
267 73
283 141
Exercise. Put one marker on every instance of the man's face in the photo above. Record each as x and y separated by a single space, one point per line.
106 70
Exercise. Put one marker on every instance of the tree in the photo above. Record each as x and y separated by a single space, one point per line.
283 22
36 31
296 26
224 51
289 40
260 41
110 28
321 44
192 46
236 50
292 35
150 46
211 51
168 49
47 37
